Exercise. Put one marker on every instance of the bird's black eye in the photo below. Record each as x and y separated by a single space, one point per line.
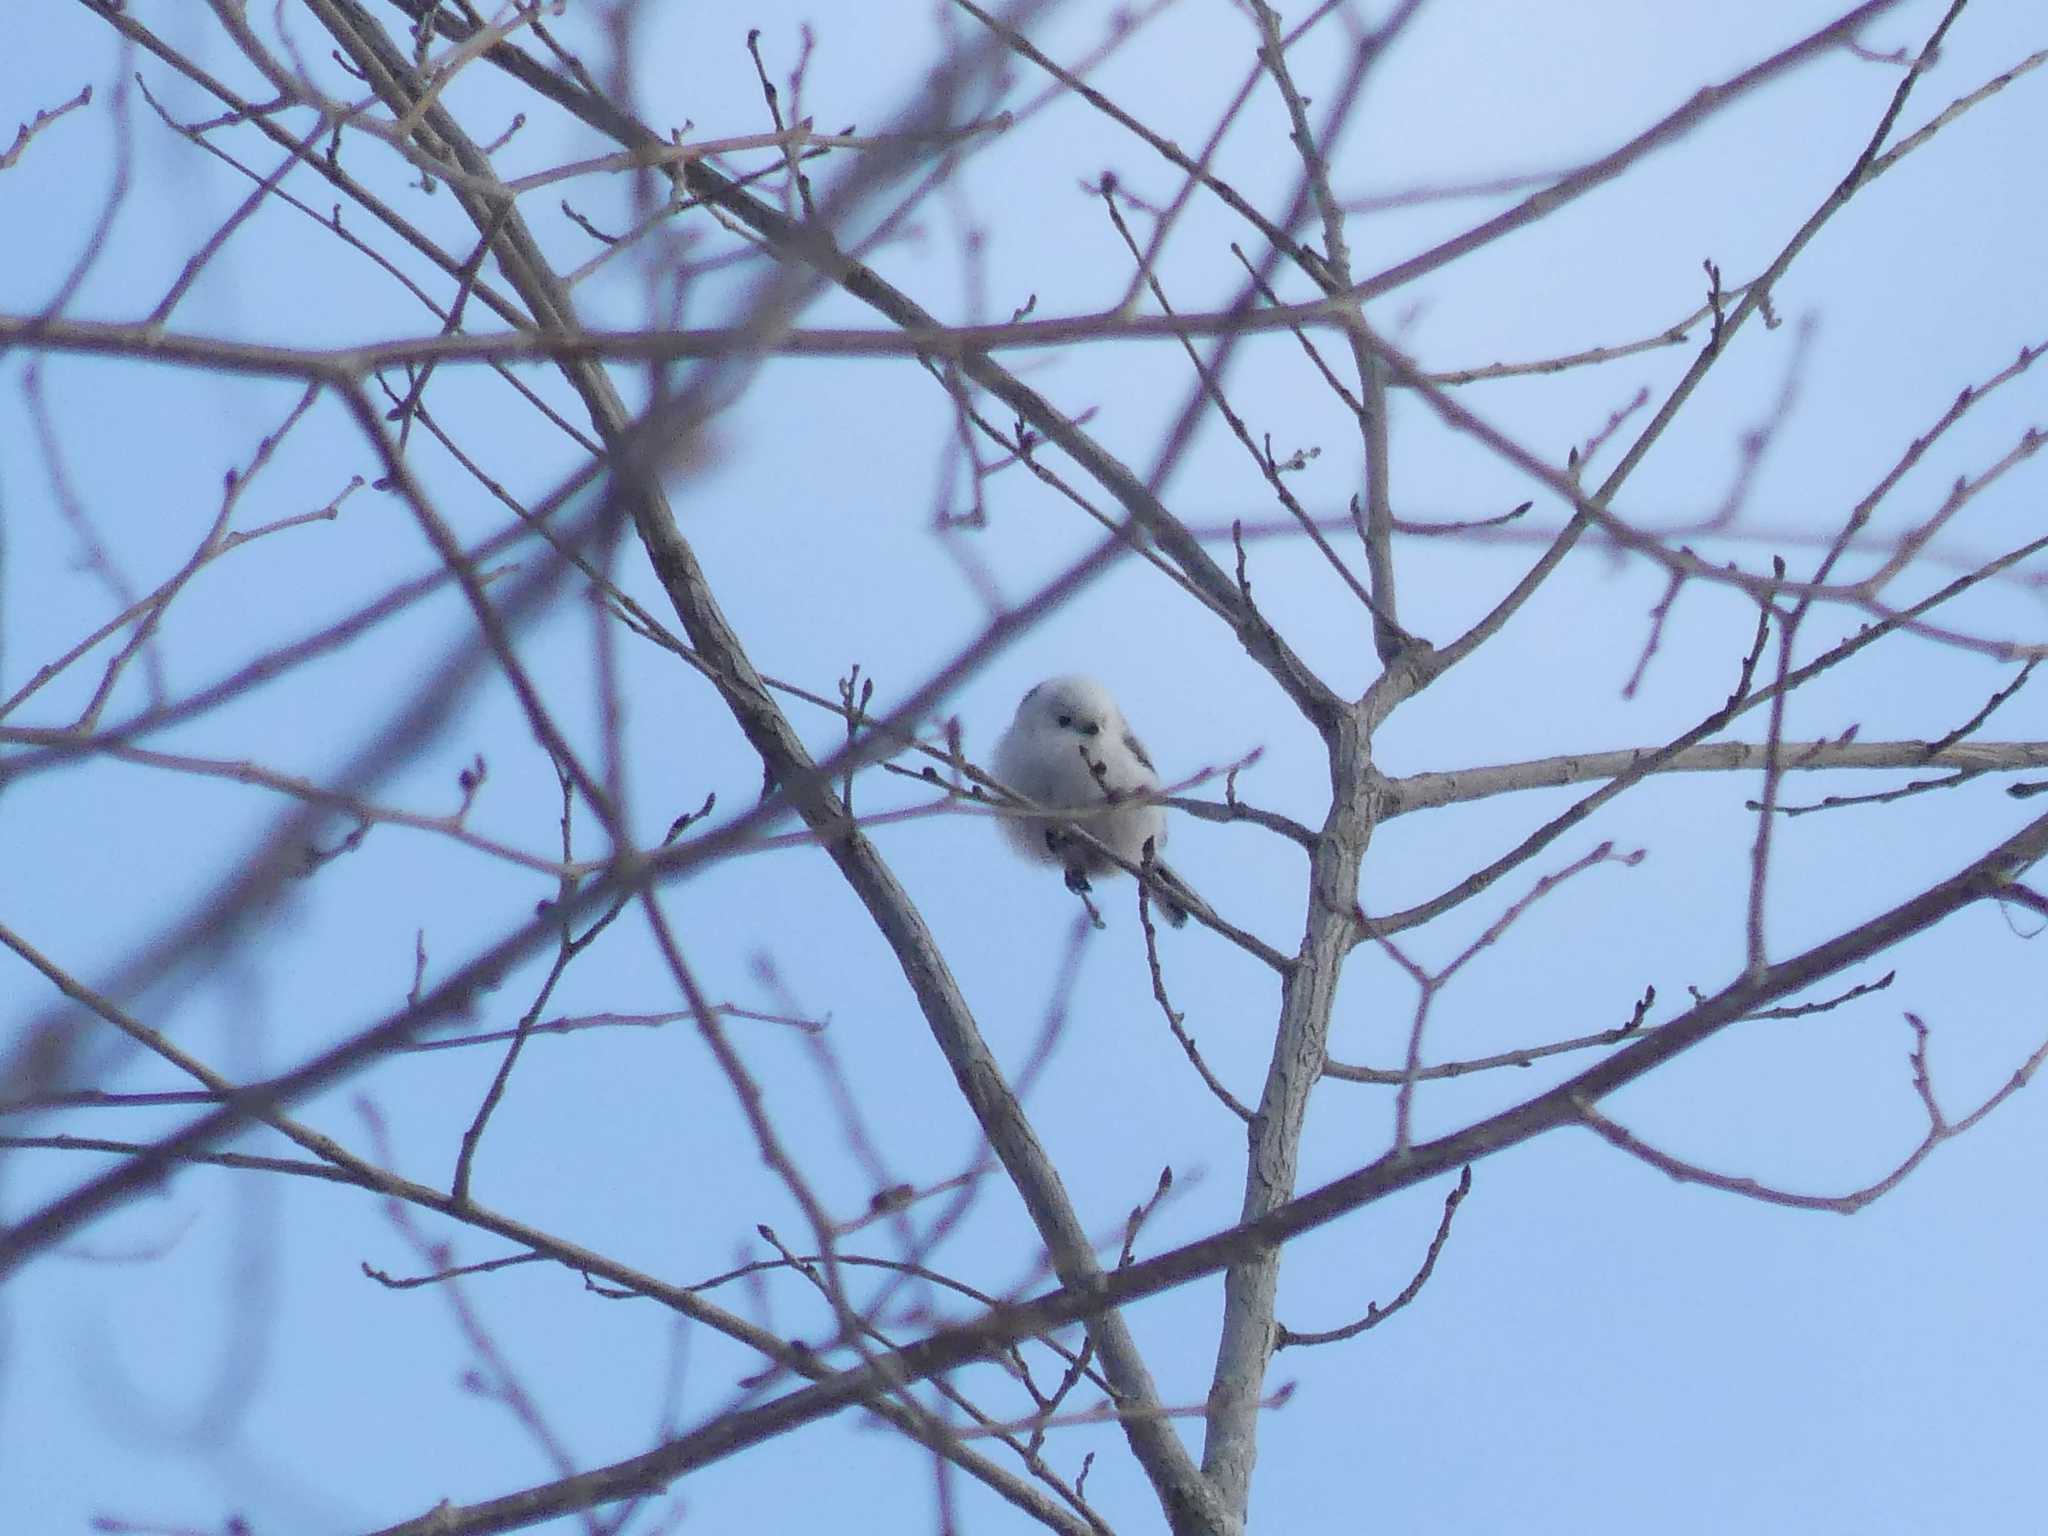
1066 719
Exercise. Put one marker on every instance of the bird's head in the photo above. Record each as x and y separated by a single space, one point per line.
1077 704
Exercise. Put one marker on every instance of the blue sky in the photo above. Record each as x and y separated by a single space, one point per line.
1599 1350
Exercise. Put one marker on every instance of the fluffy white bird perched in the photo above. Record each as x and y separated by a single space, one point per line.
1067 749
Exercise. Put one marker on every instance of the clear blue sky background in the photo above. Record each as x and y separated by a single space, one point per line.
1600 1350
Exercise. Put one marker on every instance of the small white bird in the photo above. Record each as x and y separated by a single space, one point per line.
1069 749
